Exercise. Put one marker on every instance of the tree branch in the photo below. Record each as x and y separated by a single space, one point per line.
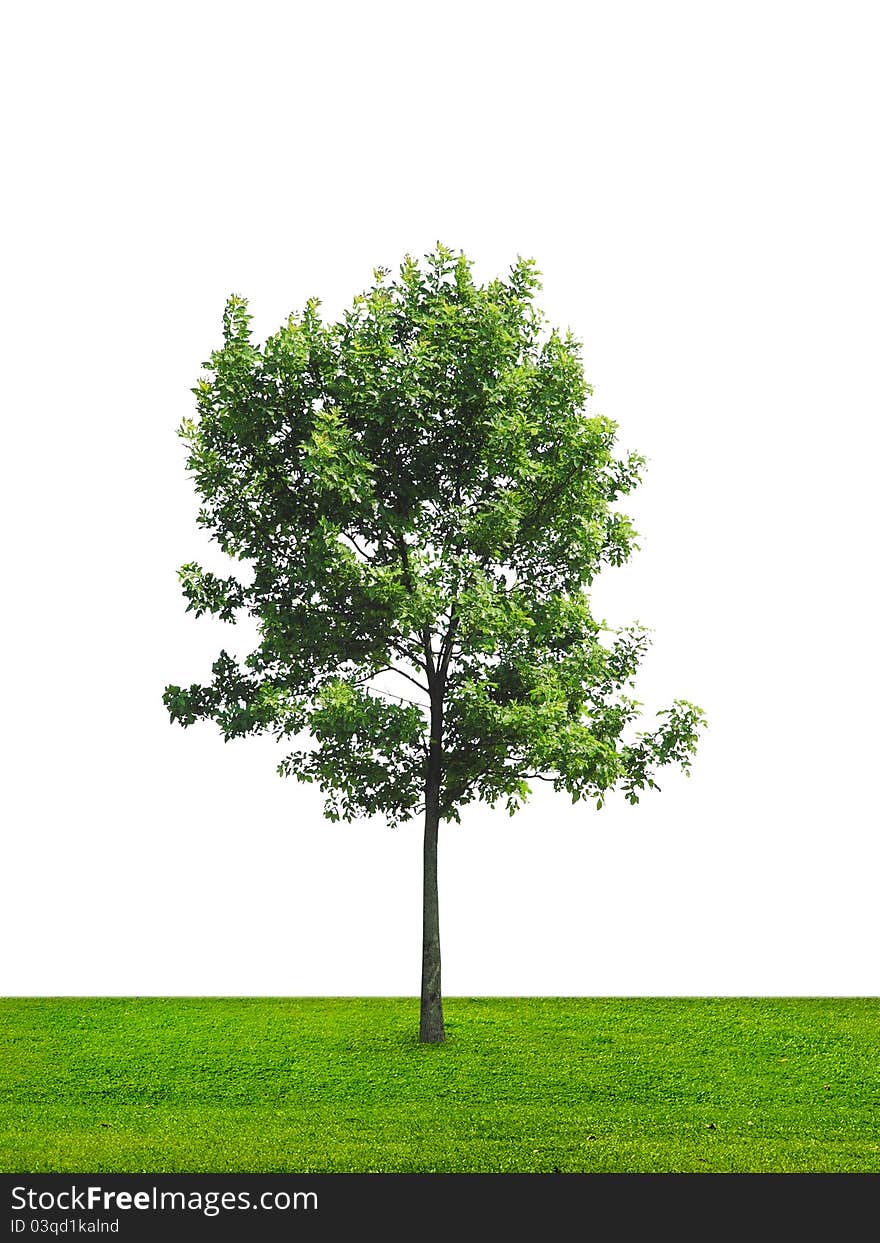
430 667
364 679
366 556
415 681
446 648
391 695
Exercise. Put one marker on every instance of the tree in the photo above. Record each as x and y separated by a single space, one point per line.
423 503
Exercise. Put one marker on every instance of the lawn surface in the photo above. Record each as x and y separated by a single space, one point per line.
522 1084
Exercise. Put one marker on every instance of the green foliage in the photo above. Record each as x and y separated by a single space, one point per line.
522 1085
423 503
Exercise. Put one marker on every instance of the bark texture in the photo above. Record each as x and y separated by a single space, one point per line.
431 1022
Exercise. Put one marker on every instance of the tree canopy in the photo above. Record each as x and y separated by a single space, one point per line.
420 502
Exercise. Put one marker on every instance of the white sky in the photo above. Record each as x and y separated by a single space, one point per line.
699 184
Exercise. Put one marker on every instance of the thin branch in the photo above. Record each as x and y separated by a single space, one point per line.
551 495
364 678
415 681
356 545
411 651
391 695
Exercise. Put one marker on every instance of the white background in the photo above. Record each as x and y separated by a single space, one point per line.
698 183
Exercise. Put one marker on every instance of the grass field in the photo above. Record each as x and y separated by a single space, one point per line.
522 1084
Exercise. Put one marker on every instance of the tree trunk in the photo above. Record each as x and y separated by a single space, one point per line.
431 1024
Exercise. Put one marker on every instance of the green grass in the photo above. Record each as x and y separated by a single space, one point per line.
522 1084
